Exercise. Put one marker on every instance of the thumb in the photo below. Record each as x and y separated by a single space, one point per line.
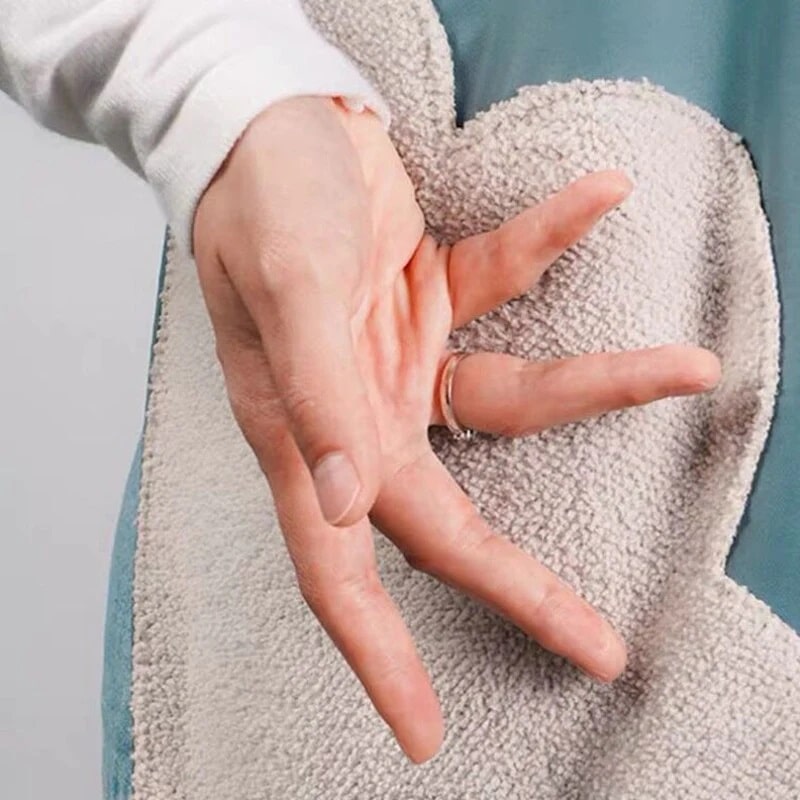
307 340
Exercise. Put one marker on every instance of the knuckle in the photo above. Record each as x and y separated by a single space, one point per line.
310 590
635 394
505 256
247 406
243 408
272 253
521 387
559 237
283 266
258 419
300 404
552 231
518 276
554 604
356 589
361 588
627 382
473 537
273 279
392 672
296 397
468 540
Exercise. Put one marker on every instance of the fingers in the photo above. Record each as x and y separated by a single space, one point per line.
489 269
336 569
348 599
426 514
339 581
510 396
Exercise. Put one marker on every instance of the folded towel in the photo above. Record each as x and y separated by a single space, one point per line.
236 691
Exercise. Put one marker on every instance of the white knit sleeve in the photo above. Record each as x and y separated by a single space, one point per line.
167 85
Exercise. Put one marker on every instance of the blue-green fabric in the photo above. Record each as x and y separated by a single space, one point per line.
738 59
117 720
118 643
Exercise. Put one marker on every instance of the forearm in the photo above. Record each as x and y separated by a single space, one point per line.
167 85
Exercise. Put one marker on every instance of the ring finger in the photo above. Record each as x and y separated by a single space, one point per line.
510 396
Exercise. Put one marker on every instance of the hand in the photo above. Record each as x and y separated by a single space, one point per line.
331 309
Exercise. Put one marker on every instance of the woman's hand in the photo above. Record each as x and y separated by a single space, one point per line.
331 309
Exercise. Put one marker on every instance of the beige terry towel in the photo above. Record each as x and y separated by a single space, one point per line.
238 694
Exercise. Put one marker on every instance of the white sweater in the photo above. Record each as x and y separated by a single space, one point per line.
167 85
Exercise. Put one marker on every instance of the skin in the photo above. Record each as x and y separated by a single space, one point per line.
331 309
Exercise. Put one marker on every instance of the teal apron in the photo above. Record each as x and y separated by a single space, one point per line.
738 59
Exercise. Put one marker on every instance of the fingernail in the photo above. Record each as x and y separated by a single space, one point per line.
611 654
337 485
623 186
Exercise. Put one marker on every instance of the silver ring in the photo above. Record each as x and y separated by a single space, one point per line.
446 397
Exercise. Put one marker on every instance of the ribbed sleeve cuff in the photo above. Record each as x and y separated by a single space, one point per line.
227 98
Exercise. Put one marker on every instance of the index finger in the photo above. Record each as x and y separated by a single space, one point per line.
428 516
491 268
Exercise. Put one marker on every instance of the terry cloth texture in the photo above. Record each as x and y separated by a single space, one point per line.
237 693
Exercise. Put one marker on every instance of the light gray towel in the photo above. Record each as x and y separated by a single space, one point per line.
237 692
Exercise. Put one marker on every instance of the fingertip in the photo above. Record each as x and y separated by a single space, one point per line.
687 369
604 189
424 738
618 184
700 370
616 661
612 661
709 370
419 727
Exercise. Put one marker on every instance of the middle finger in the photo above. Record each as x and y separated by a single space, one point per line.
427 515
